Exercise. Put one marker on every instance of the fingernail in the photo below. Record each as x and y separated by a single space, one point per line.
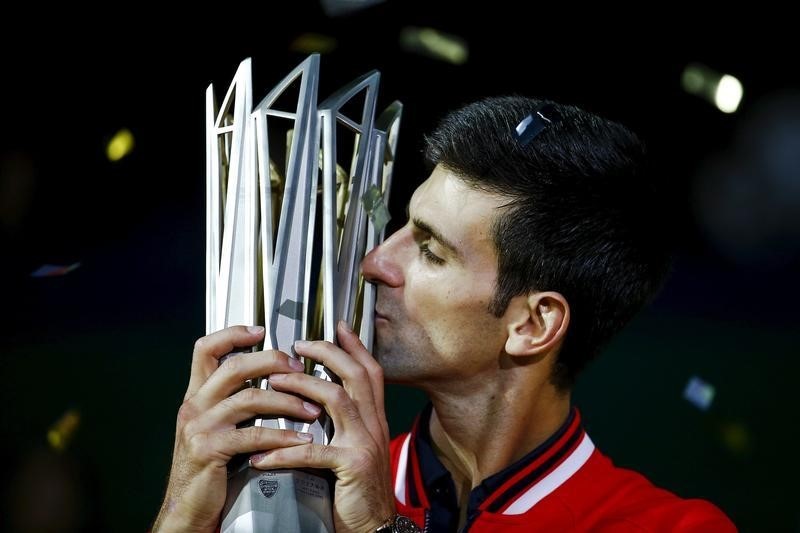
255 329
345 326
308 437
257 457
311 408
277 377
301 344
296 364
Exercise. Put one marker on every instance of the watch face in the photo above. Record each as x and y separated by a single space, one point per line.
403 524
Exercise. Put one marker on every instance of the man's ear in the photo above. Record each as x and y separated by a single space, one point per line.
538 323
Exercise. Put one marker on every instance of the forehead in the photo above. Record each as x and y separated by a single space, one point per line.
445 190
462 214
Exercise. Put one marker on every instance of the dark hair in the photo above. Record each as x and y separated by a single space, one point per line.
581 217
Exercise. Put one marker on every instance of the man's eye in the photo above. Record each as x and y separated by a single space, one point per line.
428 255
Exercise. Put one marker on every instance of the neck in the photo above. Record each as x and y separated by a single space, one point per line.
480 429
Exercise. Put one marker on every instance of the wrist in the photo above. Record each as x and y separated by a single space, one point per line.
398 523
170 520
384 524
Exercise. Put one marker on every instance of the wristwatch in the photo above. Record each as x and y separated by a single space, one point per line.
399 524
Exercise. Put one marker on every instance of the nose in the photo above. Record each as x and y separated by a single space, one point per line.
382 264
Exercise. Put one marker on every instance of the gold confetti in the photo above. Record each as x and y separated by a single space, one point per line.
309 43
60 434
435 44
120 145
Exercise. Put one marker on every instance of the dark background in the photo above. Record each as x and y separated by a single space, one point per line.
113 338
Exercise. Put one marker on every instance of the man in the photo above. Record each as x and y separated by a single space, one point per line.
531 243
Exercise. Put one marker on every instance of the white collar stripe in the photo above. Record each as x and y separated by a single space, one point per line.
554 479
400 478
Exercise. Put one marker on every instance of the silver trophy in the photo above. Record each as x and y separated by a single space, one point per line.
279 258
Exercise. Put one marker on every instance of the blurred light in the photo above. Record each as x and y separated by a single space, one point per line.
736 437
335 8
47 494
120 145
432 43
53 270
747 196
61 433
699 393
17 185
309 43
692 80
722 90
729 94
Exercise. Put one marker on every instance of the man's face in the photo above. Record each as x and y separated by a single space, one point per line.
435 279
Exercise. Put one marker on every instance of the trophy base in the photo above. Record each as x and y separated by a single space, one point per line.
285 501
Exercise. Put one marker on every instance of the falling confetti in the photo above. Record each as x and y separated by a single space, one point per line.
375 207
309 43
699 393
60 434
45 271
337 8
736 437
435 44
120 145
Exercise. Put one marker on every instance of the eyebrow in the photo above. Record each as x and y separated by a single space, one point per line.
426 228
435 235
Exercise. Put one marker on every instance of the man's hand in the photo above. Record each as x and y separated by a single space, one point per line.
358 454
206 436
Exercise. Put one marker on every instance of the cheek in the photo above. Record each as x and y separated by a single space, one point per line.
433 294
423 295
448 309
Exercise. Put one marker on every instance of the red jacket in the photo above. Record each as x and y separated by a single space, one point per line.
565 484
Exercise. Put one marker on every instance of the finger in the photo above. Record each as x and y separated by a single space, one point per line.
252 402
312 455
208 350
219 447
231 375
302 456
355 378
351 343
347 418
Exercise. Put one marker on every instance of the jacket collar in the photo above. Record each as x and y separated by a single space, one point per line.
513 490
